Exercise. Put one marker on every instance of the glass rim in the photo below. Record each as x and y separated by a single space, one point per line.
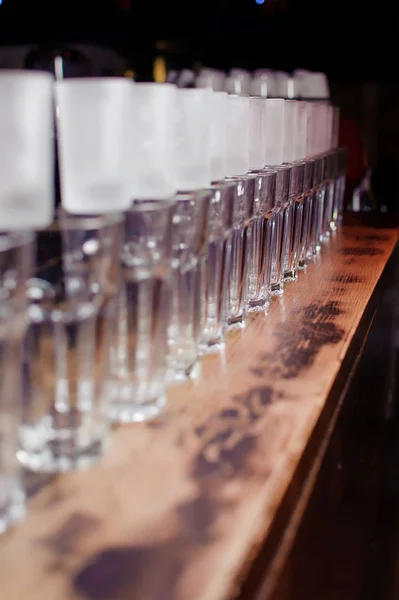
264 173
222 184
202 91
283 167
155 84
257 97
246 177
15 239
242 96
194 195
25 74
150 205
64 221
92 80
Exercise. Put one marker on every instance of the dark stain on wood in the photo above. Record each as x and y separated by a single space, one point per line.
158 423
145 572
356 251
55 494
196 518
153 571
220 459
344 279
229 413
373 238
299 343
64 541
227 436
35 482
245 408
200 430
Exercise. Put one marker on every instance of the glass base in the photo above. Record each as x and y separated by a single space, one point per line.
236 322
180 375
129 412
12 502
290 275
277 289
211 348
258 305
313 252
302 265
60 450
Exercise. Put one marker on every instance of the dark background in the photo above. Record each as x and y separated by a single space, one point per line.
348 39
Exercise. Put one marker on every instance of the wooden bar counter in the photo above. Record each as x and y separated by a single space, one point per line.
195 504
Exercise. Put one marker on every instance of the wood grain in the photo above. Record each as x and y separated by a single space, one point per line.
179 507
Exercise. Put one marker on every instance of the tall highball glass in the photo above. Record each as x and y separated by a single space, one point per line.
139 346
16 254
66 391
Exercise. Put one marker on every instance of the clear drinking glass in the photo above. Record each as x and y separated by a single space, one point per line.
139 345
189 246
281 228
301 138
218 134
321 198
26 150
330 184
237 132
261 230
274 151
257 131
66 391
297 203
192 139
307 213
216 268
287 239
16 253
151 131
291 109
316 218
341 184
93 119
243 201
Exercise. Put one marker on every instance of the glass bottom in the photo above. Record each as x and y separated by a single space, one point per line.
290 275
12 502
258 305
236 322
302 264
126 411
313 252
178 374
49 450
212 348
277 289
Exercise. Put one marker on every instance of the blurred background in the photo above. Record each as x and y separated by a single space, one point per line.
352 41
